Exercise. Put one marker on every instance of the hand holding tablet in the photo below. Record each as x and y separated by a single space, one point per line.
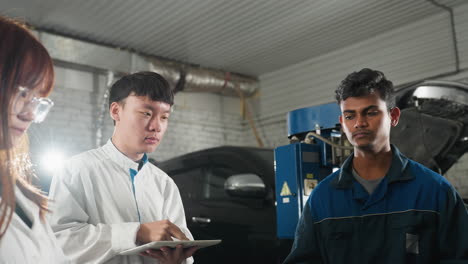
171 244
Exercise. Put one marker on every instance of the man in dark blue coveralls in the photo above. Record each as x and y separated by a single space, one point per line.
380 207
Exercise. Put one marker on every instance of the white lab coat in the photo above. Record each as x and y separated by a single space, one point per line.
24 245
96 212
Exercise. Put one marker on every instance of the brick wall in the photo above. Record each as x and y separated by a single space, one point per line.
71 124
199 120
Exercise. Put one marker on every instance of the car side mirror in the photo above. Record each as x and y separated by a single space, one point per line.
245 185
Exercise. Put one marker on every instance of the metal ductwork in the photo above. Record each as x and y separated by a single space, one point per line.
189 78
181 76
115 62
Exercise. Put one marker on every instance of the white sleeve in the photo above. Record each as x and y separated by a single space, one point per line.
81 241
174 209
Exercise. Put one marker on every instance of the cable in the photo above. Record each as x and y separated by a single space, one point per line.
249 118
454 32
313 134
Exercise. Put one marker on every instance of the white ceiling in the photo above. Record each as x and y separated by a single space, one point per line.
244 36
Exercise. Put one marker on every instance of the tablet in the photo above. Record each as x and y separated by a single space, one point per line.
171 244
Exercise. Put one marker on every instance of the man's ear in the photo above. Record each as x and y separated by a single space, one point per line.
340 118
395 116
114 110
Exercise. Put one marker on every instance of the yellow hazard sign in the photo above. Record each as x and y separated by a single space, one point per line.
285 191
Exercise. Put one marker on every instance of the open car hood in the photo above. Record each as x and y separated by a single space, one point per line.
433 128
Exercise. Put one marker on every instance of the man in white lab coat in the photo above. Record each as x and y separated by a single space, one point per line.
111 198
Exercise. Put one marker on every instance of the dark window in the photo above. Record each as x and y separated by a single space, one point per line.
213 184
188 182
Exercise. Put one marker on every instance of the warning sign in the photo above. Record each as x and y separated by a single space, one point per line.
309 185
285 191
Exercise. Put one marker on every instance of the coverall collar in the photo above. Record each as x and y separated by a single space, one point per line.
397 171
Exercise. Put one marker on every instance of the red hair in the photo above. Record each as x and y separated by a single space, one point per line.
24 61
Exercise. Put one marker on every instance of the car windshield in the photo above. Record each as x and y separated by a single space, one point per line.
266 155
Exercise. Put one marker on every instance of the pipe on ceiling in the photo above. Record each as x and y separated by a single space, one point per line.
182 76
189 78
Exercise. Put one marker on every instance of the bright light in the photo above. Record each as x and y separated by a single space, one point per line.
335 169
52 160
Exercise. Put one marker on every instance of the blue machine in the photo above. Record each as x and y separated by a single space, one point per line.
300 166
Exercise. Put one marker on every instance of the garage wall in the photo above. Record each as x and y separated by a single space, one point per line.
458 173
420 50
199 120
416 51
461 21
413 52
70 126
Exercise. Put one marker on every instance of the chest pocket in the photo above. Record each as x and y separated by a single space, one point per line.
414 236
337 238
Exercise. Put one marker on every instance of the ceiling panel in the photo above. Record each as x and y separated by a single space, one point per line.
249 37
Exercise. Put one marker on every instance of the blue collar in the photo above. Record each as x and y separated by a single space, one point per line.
144 160
397 171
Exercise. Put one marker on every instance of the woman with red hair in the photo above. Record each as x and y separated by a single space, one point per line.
26 78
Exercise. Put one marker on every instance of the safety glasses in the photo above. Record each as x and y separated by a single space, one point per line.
25 102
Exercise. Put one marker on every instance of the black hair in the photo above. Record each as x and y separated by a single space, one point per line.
143 83
366 82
